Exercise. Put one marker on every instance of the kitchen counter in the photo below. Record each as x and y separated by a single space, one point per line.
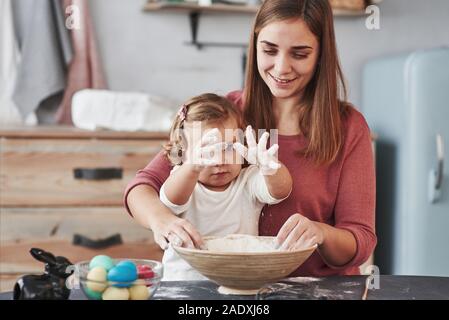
308 288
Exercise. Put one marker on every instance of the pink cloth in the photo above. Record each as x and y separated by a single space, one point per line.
85 70
341 194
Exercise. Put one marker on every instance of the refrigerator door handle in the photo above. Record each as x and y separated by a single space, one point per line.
436 176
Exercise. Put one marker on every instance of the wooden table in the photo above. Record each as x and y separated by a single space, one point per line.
328 288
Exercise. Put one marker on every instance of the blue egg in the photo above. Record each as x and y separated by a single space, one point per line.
127 263
101 261
123 273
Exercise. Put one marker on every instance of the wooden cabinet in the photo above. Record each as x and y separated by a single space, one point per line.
49 171
56 182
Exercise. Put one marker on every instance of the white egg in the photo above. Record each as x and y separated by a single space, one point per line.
113 293
97 275
139 292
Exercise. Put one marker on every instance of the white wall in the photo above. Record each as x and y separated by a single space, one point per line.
145 51
405 25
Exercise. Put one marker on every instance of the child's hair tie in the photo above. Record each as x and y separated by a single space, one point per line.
182 113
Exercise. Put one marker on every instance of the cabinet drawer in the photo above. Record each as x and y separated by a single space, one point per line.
54 224
41 172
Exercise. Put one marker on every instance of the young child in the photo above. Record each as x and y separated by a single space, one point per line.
208 186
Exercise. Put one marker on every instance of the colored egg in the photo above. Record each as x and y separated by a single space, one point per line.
127 263
139 293
113 293
122 274
94 295
98 275
139 282
145 272
101 261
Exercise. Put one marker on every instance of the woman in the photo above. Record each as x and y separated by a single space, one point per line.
293 84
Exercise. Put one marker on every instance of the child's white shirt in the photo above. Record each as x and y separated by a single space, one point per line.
235 210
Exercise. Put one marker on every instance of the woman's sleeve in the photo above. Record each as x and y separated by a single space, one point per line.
356 197
154 175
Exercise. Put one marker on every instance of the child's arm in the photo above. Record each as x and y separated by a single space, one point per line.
280 183
179 186
276 177
269 189
273 181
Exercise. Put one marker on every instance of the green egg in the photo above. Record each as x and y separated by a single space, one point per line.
102 261
94 295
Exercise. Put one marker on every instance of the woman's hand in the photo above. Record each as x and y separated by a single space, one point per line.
299 232
151 213
175 230
257 153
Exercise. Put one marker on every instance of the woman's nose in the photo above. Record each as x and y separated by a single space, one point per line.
282 65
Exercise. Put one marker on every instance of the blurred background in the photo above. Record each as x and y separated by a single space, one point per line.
88 90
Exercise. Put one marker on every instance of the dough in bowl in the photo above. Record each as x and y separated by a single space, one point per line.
242 243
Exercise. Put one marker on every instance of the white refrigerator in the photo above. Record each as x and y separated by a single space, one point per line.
406 103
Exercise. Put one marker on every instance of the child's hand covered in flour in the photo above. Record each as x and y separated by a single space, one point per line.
257 153
207 152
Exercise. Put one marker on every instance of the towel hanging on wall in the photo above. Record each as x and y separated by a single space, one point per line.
85 70
9 59
45 48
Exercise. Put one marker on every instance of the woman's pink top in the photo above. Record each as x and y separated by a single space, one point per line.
341 194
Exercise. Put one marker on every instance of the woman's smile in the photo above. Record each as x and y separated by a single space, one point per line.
282 80
283 83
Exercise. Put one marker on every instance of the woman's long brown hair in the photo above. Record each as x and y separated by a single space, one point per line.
324 102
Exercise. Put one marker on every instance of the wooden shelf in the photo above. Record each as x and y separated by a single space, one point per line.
171 6
194 10
227 8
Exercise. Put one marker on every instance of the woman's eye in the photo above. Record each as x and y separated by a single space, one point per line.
270 52
299 56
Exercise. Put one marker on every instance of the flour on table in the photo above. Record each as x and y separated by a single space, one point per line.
242 243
